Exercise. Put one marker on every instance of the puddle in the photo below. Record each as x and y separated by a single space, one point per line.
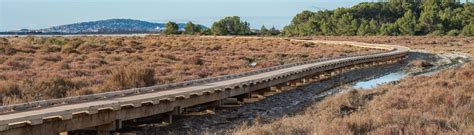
372 83
458 61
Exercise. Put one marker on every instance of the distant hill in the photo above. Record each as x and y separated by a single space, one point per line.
110 26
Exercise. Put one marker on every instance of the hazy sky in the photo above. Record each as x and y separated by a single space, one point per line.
34 14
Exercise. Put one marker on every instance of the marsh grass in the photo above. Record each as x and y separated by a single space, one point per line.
131 77
438 104
86 65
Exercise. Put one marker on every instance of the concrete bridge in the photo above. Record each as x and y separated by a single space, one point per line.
104 112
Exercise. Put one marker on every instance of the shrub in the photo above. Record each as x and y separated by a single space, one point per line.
34 89
309 44
55 87
56 41
3 59
87 47
9 89
116 42
420 63
50 49
24 48
7 50
4 41
76 42
194 60
18 62
131 77
437 33
63 65
68 49
53 58
454 33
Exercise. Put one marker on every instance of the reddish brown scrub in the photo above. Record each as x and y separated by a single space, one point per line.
438 104
34 68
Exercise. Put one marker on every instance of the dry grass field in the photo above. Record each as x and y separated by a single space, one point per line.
438 104
431 43
418 105
34 68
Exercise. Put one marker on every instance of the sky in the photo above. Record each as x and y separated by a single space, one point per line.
36 14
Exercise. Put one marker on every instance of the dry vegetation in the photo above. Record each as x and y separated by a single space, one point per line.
418 105
431 43
438 104
34 68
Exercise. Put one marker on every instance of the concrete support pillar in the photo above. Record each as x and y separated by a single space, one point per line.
293 83
296 82
310 79
281 87
323 75
346 69
243 96
176 111
168 118
315 78
338 71
217 103
210 106
106 129
265 92
355 67
275 89
257 95
261 91
230 101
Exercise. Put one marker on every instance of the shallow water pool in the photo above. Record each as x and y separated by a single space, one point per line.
372 83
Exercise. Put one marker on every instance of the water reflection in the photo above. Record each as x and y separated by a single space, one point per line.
372 83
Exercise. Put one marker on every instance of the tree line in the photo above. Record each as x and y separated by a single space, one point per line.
388 17
231 25
385 17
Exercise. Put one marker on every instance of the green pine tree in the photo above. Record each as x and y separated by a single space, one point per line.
273 31
347 25
373 27
468 30
407 25
363 28
231 26
191 28
264 30
171 28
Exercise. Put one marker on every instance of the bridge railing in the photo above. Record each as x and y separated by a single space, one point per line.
143 90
